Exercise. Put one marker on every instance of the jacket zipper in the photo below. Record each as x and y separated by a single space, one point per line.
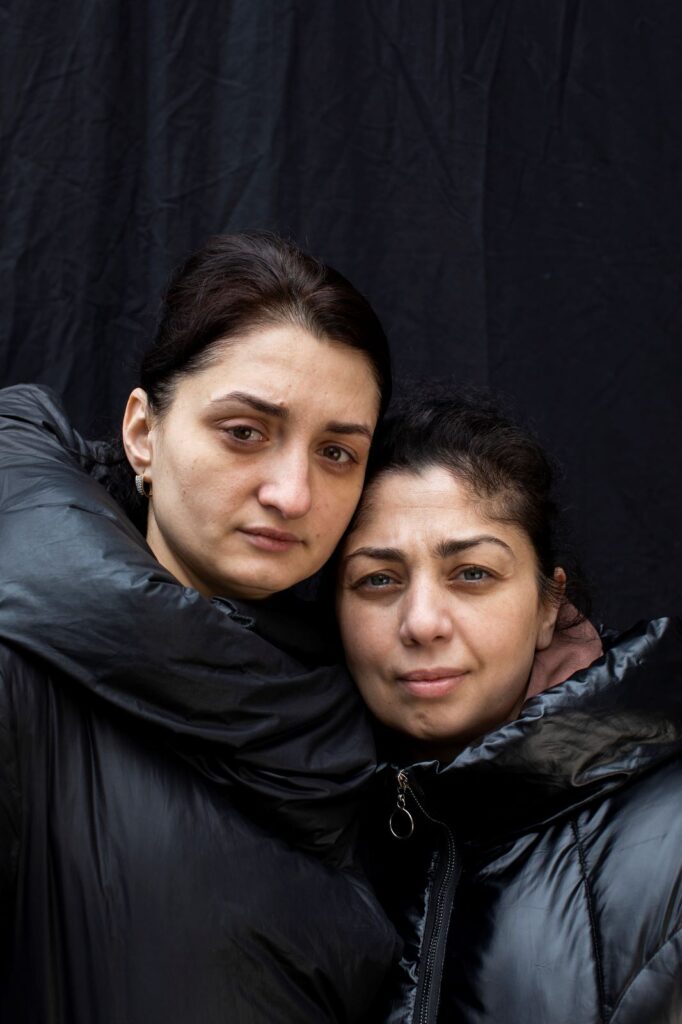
440 906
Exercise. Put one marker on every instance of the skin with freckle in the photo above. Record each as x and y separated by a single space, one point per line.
440 610
222 469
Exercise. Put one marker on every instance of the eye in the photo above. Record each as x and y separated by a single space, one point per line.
244 434
335 453
473 574
375 581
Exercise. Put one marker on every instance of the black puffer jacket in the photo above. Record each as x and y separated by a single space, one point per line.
177 792
552 891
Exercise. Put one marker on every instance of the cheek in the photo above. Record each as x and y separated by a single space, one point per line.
511 660
504 647
332 511
196 497
364 668
511 628
178 469
367 642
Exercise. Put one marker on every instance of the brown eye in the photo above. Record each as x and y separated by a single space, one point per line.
244 433
336 454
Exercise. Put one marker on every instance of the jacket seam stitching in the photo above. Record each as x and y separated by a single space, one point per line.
593 920
663 944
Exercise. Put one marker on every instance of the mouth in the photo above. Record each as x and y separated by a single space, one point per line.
431 682
267 539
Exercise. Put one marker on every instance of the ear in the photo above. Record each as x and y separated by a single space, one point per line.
136 432
549 612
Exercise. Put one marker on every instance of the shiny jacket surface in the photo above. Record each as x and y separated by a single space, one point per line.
177 789
542 883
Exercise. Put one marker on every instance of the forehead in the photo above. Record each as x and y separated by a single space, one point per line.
286 365
411 510
406 495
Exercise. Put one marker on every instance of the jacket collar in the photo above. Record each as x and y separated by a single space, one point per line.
581 739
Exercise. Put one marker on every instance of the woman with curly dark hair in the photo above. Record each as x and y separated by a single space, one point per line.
527 835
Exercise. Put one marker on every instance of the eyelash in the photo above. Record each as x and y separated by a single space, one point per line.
474 568
365 581
347 457
232 433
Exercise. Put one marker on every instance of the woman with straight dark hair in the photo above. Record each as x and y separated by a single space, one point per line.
527 834
181 753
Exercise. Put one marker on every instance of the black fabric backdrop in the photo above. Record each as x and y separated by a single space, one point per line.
502 178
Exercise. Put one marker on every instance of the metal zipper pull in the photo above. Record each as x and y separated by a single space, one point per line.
401 822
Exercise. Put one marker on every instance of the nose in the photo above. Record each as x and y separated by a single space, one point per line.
425 616
287 485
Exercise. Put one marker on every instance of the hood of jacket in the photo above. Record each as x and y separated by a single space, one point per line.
579 740
245 689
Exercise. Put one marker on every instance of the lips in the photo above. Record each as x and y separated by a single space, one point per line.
268 539
432 682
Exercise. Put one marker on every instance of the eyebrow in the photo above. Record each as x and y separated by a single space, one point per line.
282 413
259 404
444 549
334 427
447 548
381 554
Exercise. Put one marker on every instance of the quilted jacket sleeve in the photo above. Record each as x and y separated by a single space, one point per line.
82 591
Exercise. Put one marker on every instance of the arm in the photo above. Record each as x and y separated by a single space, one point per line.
82 591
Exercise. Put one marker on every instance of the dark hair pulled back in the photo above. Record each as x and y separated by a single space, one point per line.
240 283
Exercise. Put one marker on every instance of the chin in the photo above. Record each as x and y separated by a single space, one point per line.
247 591
261 585
270 574
248 582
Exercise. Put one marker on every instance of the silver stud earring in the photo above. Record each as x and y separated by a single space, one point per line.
144 487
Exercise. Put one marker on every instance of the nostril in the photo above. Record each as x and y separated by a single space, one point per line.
289 498
425 628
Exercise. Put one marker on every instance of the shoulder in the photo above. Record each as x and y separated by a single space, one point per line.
636 827
633 837
630 847
655 991
638 835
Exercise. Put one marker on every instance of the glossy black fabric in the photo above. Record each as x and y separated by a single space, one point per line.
177 790
567 825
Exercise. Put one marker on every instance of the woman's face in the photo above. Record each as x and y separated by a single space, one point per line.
440 610
258 464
